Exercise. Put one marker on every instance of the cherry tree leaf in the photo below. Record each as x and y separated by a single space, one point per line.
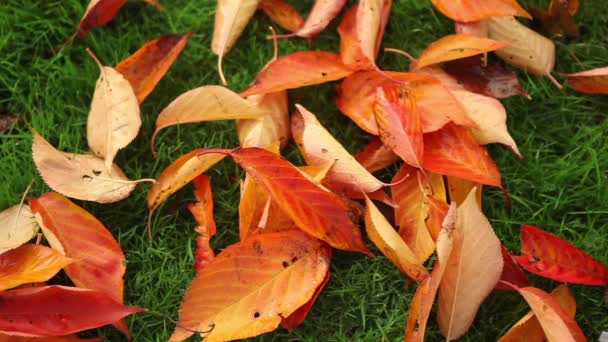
282 13
594 81
475 10
17 226
267 129
456 46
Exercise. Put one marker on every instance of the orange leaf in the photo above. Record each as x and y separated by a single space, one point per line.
181 172
438 209
411 197
98 13
453 151
399 124
17 226
376 156
319 147
384 236
370 26
296 70
555 322
472 270
594 81
422 302
549 256
315 210
203 213
456 46
57 310
282 13
459 189
298 316
267 129
206 103
30 264
320 16
475 10
146 66
529 328
250 285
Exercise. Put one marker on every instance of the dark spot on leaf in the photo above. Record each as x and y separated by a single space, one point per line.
257 247
285 264
96 172
324 150
256 314
323 74
294 259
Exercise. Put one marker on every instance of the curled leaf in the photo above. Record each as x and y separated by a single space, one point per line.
202 211
98 13
456 46
593 81
282 13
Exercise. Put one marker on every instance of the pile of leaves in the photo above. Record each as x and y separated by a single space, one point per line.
433 119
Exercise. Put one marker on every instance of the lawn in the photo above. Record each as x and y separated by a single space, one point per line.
561 185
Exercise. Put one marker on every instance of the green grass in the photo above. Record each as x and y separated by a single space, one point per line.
561 185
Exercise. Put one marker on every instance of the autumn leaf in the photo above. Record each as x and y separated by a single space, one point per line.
476 28
114 119
247 289
376 156
206 103
17 226
231 17
147 66
319 147
456 46
67 338
98 13
299 69
370 26
384 236
472 270
282 13
557 21
511 273
422 302
549 256
527 49
459 189
475 10
557 325
30 263
80 176
529 328
453 151
202 211
297 317
267 129
593 81
320 16
179 173
57 310
315 210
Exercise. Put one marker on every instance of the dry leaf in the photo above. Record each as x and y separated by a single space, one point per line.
17 226
475 10
369 25
282 13
267 129
98 13
376 156
594 81
320 16
456 46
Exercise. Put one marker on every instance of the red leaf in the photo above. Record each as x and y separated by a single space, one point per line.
453 151
511 273
282 13
296 70
57 310
203 213
297 317
98 13
594 81
549 256
67 338
315 210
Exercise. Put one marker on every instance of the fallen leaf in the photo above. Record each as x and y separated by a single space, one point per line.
555 322
369 26
594 81
422 302
475 10
282 13
231 17
320 16
315 210
181 172
297 317
57 310
206 103
98 13
472 270
147 66
529 328
30 263
489 80
250 285
269 128
7 121
438 209
399 123
80 176
549 256
477 28
527 49
384 236
202 211
456 46
376 156
511 273
319 147
17 226
114 119
453 151
556 21
459 189
296 70
67 338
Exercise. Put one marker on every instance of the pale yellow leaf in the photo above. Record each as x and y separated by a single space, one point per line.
269 128
17 226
